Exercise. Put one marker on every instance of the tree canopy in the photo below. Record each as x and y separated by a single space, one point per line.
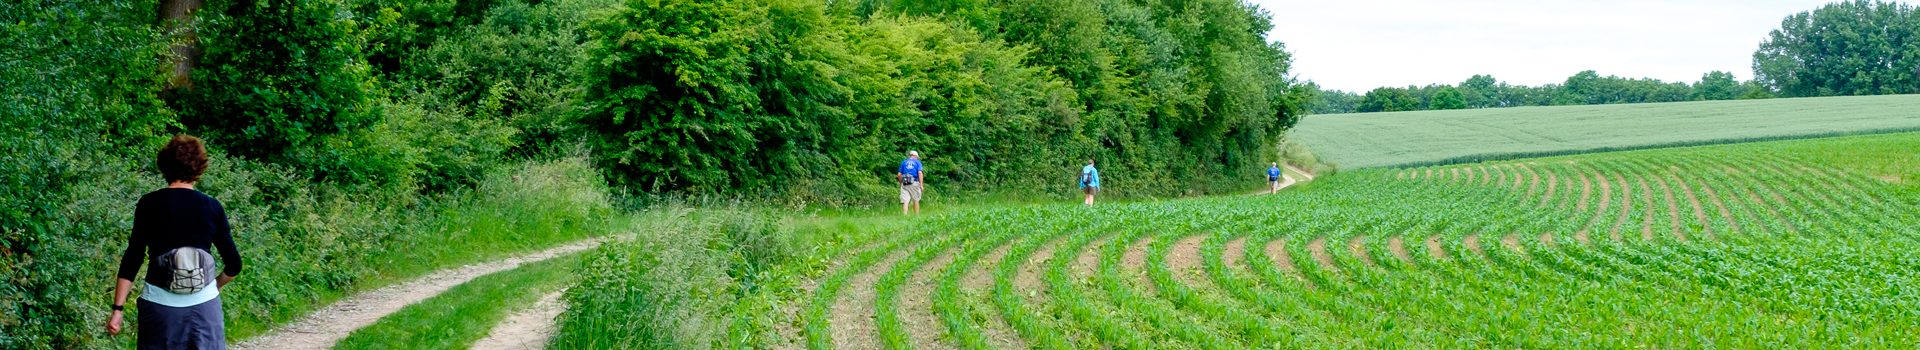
1855 47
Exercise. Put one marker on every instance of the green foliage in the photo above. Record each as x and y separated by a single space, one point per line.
515 65
1856 47
680 281
1389 99
1717 85
671 97
331 179
1448 98
1446 137
73 116
705 98
280 77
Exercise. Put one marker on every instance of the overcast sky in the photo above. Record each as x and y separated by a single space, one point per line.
1360 45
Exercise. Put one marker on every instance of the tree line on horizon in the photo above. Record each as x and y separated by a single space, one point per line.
1858 47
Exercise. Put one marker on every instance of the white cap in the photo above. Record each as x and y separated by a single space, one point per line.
913 153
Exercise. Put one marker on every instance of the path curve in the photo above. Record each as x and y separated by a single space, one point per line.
527 329
326 326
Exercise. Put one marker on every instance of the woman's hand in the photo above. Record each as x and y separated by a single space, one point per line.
223 280
113 323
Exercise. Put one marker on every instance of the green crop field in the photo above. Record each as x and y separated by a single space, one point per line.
1462 136
1792 244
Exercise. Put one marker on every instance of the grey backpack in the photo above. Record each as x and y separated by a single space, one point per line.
188 269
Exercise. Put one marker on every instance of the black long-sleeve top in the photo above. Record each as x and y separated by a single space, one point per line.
171 218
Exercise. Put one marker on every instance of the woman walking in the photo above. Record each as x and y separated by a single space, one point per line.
173 229
1089 181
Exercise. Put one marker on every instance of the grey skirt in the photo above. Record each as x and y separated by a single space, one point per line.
194 327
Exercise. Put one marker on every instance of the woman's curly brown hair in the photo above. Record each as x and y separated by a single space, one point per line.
183 159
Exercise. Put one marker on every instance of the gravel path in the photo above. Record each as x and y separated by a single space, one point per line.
528 329
324 327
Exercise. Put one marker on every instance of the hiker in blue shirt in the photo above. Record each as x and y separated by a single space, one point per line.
1089 181
1273 178
910 176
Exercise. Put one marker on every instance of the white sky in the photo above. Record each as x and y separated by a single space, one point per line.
1360 45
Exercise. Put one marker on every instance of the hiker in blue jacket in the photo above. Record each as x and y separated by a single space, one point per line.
1089 181
910 176
1273 178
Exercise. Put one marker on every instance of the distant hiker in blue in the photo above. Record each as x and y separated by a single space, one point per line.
1273 178
1089 181
910 176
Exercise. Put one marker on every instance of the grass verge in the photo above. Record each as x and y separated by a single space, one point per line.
462 315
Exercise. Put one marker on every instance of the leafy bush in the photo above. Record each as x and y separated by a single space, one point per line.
680 283
279 75
816 102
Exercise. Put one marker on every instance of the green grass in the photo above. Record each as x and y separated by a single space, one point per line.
1354 141
460 316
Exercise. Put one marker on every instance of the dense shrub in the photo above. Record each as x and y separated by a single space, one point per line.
281 76
333 181
681 283
817 101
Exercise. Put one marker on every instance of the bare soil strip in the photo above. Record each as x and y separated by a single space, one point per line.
1773 207
1600 213
1028 278
1088 260
1135 259
1318 248
1183 260
1473 244
1553 183
1673 208
528 329
1533 180
1546 239
852 319
1646 218
1435 249
1726 213
1399 248
924 329
981 276
1233 252
1358 247
1586 192
324 327
1512 241
1626 208
1277 251
978 281
1773 211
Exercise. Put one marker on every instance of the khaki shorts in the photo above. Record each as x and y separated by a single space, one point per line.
910 193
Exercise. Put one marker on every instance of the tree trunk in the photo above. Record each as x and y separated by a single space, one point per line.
176 20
